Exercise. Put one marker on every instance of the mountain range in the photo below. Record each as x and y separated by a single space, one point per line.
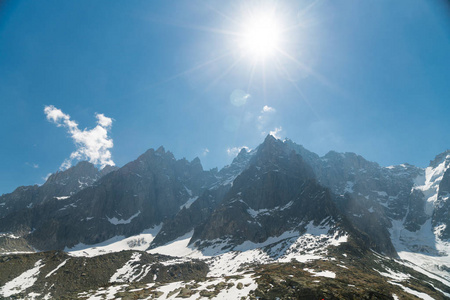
278 222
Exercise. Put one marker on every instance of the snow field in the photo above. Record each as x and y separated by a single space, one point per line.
413 292
22 282
233 288
116 244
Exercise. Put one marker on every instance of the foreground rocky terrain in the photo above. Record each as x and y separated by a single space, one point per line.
337 274
280 221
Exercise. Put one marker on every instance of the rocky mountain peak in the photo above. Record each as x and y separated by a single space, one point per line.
72 180
271 149
196 162
275 156
150 158
440 158
60 185
270 141
82 169
275 194
243 151
241 157
108 169
161 150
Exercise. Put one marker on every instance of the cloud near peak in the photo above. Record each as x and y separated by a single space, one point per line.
275 132
234 151
93 145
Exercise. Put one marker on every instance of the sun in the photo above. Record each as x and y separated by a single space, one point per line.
261 35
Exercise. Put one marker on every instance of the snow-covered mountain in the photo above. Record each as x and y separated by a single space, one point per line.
423 234
405 203
280 220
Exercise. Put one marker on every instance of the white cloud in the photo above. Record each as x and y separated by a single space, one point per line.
67 163
268 109
55 115
33 165
93 145
205 151
104 121
275 132
234 151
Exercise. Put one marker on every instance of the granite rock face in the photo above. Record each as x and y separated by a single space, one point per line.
278 187
126 201
199 208
60 184
277 193
279 211
258 205
30 205
140 195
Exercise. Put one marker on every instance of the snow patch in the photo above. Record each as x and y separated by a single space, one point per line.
9 235
179 247
327 274
131 271
349 187
231 262
413 292
171 290
439 229
189 203
116 221
56 269
255 213
381 193
104 293
247 245
394 275
22 282
116 244
188 191
429 184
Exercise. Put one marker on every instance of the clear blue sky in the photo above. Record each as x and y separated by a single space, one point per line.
370 77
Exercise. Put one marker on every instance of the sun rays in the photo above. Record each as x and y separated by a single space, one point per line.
262 41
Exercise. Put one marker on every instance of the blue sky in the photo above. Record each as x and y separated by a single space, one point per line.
370 77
